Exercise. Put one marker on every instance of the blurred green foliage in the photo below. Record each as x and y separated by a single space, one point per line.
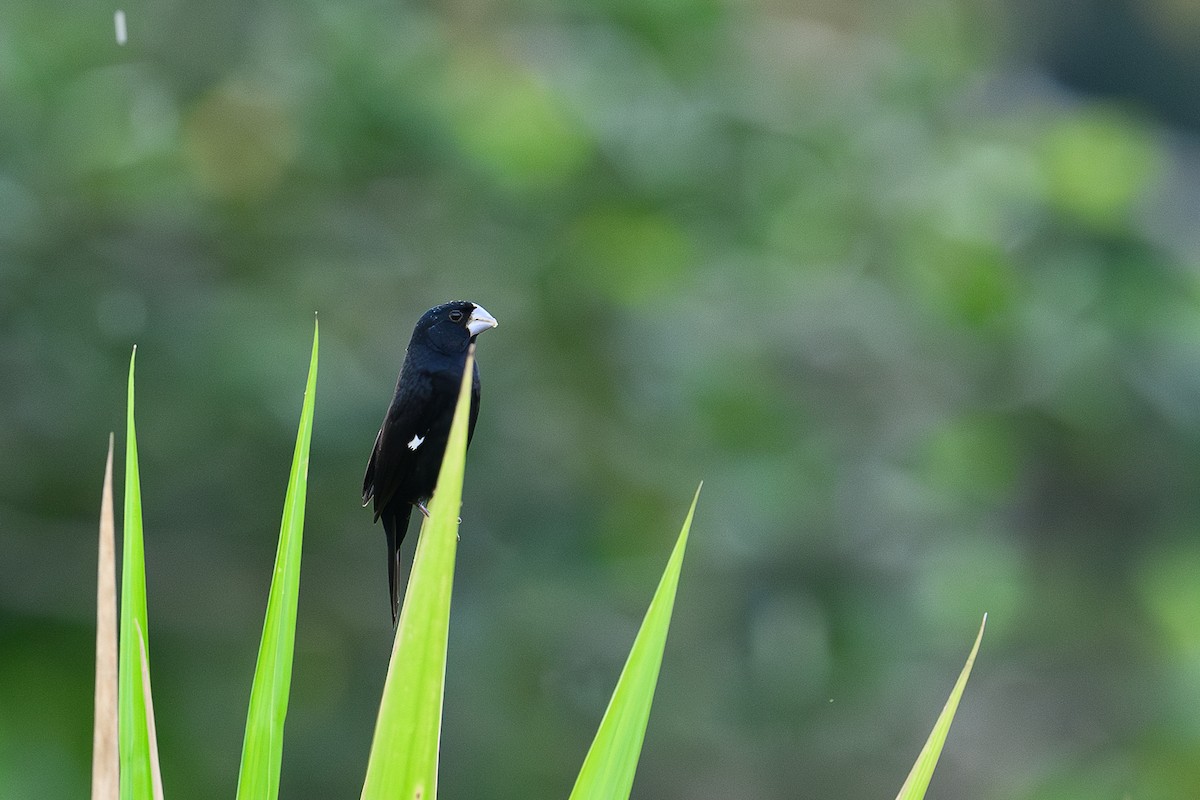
925 322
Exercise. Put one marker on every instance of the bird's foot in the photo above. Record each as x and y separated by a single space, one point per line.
422 508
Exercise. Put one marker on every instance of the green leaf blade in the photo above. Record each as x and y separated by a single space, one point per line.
262 747
134 743
611 762
922 771
404 751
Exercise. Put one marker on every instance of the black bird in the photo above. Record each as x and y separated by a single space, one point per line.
404 465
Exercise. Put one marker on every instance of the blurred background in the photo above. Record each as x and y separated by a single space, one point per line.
913 287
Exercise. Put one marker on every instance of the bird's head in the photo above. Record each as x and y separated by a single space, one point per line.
452 326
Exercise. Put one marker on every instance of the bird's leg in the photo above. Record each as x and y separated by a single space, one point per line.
421 506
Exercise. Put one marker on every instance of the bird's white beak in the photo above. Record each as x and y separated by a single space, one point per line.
480 320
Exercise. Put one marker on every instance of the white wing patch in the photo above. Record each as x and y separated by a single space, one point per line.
416 442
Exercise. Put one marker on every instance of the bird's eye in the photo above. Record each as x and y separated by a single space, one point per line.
456 316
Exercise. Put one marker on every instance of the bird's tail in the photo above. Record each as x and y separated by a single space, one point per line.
395 525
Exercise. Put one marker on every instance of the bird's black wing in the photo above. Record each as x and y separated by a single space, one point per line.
399 472
392 465
392 460
474 403
369 477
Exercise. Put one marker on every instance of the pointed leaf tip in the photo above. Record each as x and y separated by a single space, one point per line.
262 746
148 709
105 759
918 778
611 762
